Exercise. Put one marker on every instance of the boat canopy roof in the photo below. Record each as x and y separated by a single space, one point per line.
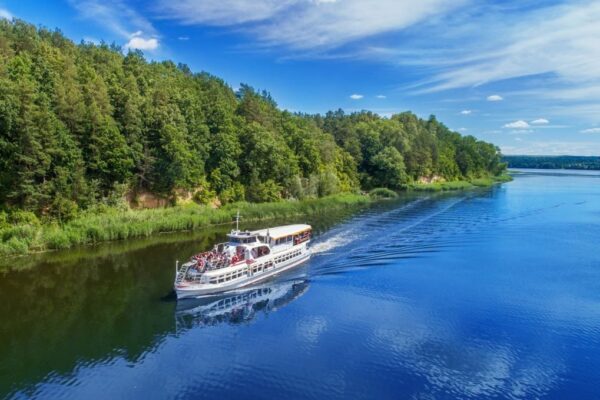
282 231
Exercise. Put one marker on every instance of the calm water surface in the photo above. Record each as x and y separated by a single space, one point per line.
484 294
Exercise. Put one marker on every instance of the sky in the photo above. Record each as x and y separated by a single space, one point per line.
524 75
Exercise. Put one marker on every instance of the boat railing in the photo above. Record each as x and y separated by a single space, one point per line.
181 272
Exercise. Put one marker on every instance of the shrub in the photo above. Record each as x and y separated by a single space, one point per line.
383 193
233 194
264 192
16 246
64 209
204 196
482 182
57 239
20 217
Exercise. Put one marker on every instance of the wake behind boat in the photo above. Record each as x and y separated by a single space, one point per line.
247 258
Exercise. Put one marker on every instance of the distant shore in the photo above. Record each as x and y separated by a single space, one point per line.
553 162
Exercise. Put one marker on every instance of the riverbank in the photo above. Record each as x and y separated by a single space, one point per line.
460 185
109 224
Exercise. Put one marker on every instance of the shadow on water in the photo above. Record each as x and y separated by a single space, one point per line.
60 310
66 309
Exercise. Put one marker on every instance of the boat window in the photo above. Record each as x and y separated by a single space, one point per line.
262 251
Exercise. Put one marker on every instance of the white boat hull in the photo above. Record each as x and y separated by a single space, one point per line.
190 290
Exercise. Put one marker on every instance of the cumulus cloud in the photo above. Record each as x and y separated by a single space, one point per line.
495 97
466 112
540 121
519 124
5 14
140 43
356 96
381 96
591 130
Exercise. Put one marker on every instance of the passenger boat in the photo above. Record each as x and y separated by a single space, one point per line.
247 258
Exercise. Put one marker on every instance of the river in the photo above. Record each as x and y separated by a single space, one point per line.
487 293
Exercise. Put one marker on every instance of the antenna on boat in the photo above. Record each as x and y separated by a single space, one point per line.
237 221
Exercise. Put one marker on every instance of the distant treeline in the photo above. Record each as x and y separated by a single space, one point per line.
553 162
84 124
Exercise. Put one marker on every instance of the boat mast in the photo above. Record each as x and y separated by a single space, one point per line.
237 221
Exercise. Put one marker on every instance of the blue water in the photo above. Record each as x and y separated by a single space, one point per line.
493 293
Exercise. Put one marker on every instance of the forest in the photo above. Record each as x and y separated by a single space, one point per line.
553 162
83 125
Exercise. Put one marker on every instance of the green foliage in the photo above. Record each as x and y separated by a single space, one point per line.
262 192
204 196
441 186
383 193
388 169
84 125
103 223
21 217
235 193
64 209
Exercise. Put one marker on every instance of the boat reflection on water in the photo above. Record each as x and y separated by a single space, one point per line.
240 306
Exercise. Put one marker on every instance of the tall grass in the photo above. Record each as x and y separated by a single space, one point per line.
383 193
440 186
460 185
107 224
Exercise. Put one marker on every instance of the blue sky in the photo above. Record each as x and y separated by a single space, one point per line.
522 74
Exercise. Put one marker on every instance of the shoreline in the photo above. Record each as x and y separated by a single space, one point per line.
117 224
461 184
113 224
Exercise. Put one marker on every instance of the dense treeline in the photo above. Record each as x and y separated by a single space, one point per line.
553 162
82 125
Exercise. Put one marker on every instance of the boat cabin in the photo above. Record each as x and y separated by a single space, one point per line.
239 237
284 237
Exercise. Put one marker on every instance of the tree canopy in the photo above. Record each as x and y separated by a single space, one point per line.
83 123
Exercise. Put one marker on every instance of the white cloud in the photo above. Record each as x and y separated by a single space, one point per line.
302 24
140 43
495 97
520 124
120 19
462 129
554 148
540 121
551 49
557 41
466 112
183 38
356 96
591 130
381 96
5 14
